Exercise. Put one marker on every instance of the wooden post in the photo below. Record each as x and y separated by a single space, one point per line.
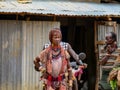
96 53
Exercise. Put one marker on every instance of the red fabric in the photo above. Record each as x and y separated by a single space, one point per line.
59 78
78 72
50 78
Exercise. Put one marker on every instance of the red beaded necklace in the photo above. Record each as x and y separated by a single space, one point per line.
56 51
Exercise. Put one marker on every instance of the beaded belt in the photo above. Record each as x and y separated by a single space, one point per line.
59 78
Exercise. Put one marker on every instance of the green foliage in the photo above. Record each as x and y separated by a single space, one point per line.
113 84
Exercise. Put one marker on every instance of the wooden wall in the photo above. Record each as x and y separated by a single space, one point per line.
103 30
20 42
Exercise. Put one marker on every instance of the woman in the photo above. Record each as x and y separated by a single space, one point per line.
110 46
55 64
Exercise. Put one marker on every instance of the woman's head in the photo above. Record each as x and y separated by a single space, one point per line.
110 37
55 36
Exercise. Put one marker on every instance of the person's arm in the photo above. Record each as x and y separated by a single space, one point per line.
70 75
39 61
111 48
36 63
74 55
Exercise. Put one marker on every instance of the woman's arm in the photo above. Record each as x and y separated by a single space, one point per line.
74 55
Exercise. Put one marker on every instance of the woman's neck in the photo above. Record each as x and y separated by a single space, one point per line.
55 46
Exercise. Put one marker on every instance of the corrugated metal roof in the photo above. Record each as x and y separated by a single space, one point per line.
60 8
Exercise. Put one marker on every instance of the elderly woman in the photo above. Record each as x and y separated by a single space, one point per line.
54 61
110 46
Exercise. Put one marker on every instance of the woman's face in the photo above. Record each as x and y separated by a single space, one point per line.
109 39
56 38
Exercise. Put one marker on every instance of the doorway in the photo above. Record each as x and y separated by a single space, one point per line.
77 40
81 38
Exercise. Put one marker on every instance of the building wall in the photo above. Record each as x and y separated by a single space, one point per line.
20 43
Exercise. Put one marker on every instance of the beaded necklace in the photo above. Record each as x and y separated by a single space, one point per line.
56 52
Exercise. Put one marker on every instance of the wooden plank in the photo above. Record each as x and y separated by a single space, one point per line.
107 67
27 55
118 34
18 56
11 49
107 23
96 55
14 55
110 63
100 42
4 56
24 55
111 56
118 50
30 29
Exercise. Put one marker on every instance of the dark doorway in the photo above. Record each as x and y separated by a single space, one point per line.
81 39
64 30
79 43
78 40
